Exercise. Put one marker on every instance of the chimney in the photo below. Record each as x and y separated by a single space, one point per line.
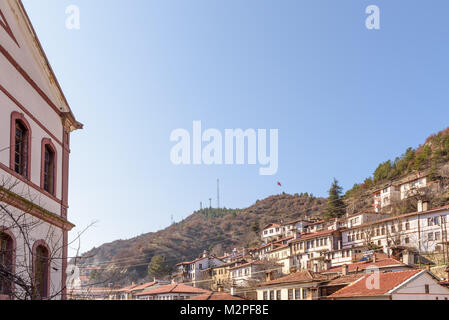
233 290
428 267
293 269
408 258
344 269
425 206
220 288
133 283
270 276
374 258
205 253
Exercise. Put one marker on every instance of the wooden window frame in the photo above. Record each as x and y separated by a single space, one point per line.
19 118
47 144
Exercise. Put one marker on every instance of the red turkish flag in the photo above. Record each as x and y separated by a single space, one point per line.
279 184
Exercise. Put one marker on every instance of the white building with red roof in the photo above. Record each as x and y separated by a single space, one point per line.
400 285
176 291
424 231
192 272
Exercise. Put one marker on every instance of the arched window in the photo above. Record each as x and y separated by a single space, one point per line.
48 169
6 264
20 145
41 271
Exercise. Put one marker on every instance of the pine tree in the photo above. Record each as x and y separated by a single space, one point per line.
335 206
158 267
255 227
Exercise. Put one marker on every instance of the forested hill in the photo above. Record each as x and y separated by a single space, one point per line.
221 230
216 230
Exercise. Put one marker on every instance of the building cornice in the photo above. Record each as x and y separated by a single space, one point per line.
35 210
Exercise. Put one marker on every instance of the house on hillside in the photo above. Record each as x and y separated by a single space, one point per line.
282 256
275 231
302 285
400 285
130 292
272 231
192 272
412 186
308 250
221 275
379 262
385 197
176 291
424 231
36 123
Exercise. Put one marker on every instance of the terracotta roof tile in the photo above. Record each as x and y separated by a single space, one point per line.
302 276
388 281
216 296
350 278
173 288
360 266
144 286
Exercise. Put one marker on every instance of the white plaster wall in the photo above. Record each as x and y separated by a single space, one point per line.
40 231
415 289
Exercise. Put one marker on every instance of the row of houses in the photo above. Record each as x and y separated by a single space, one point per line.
314 259
316 248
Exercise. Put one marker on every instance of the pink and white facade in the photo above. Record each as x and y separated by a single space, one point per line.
35 127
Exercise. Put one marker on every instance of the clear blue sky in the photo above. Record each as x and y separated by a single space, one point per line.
343 97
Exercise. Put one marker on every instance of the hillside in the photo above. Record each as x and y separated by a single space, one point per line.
221 230
217 230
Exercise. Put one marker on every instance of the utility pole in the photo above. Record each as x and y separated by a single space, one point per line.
218 193
210 203
201 205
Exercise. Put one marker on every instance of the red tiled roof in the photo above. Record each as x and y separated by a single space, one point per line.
283 239
144 286
316 222
360 266
305 236
271 225
173 288
280 247
398 217
387 282
126 289
350 278
445 283
198 259
257 262
216 296
295 221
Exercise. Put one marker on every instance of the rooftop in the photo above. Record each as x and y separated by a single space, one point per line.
216 296
297 277
173 288
387 282
363 265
